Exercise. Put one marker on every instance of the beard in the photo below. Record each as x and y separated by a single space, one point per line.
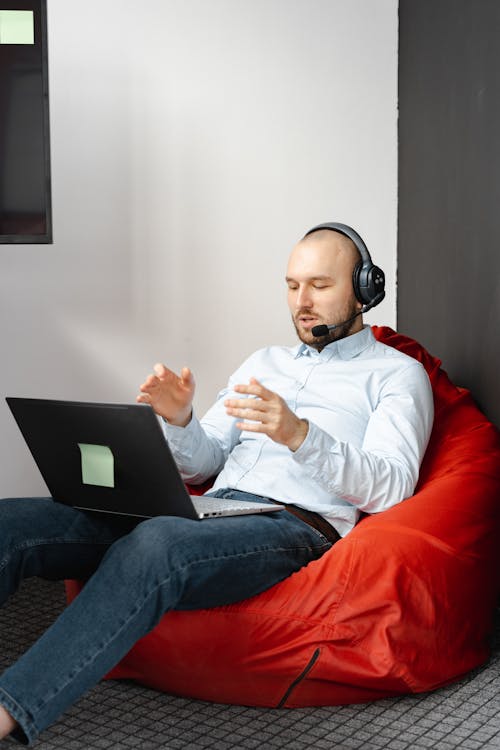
343 329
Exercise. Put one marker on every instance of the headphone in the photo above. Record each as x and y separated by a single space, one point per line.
368 280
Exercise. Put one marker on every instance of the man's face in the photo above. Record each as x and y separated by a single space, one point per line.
320 291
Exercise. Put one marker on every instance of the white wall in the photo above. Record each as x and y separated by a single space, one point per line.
193 143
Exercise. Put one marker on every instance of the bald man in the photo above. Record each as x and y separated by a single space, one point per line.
333 427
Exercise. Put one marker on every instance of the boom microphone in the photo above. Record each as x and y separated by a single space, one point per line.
324 330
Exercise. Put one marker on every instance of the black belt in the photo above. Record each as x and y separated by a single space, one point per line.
316 521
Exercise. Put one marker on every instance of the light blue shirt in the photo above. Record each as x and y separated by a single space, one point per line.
370 413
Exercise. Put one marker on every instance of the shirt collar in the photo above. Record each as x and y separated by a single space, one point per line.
346 348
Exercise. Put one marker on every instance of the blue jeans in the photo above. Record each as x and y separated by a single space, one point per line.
136 572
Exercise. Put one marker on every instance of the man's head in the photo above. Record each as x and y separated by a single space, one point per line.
320 289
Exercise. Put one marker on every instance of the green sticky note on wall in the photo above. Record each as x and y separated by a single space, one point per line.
17 27
98 465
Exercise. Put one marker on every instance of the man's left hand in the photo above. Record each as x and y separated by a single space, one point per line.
268 413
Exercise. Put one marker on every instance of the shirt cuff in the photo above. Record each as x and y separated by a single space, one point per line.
315 443
179 435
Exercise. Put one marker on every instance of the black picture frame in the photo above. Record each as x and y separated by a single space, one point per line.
25 174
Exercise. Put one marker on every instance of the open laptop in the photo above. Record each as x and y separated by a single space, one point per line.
113 458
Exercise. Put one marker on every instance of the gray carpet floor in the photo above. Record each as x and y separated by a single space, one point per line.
123 715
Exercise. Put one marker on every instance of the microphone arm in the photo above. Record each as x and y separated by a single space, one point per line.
324 330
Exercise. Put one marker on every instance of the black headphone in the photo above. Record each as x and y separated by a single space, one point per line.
368 280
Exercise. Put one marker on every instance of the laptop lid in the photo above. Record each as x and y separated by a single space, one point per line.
103 457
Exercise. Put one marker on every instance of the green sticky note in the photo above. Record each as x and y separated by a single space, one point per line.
17 27
98 465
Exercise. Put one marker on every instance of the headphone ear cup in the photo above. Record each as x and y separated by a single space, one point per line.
369 283
374 284
355 281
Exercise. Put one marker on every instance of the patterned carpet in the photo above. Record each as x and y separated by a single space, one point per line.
121 715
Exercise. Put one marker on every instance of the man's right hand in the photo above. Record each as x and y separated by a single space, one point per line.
170 396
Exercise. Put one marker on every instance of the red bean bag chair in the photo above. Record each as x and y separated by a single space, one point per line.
403 604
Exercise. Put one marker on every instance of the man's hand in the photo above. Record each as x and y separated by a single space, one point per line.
268 413
170 396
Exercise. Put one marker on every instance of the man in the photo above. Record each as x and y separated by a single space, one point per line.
332 428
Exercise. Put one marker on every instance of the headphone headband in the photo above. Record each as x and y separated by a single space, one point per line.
368 280
348 232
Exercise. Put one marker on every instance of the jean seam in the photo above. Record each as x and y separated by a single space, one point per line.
45 542
321 537
135 611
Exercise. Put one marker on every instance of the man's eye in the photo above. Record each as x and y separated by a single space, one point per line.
320 286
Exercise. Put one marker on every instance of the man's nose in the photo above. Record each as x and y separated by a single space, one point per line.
303 297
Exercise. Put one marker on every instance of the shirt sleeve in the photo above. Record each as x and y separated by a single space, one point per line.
384 469
202 447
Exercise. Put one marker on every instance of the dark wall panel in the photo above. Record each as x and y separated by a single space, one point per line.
25 185
449 188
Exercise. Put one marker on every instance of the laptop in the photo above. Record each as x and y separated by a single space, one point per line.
113 458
